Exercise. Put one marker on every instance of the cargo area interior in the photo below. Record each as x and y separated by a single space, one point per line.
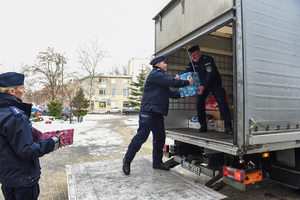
219 45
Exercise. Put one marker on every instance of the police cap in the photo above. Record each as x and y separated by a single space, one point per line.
157 60
193 48
11 79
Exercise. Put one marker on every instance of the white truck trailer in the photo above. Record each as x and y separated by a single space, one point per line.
256 47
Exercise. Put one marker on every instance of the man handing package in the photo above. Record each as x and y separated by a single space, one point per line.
210 82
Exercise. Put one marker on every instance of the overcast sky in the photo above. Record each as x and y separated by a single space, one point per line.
124 28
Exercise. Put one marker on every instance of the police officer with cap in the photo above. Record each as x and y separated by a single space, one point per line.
211 81
19 155
155 105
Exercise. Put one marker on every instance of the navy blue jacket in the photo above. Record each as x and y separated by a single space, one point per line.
157 92
209 74
19 155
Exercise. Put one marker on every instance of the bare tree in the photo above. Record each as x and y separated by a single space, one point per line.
89 57
70 90
47 71
115 70
125 70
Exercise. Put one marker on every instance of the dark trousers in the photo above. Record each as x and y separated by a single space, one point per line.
220 96
148 121
21 193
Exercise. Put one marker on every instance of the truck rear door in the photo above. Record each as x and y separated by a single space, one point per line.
271 73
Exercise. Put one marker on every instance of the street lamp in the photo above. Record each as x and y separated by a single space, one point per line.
62 77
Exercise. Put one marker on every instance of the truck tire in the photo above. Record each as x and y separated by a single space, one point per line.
65 117
217 186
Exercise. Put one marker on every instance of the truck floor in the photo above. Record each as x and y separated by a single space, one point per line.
193 133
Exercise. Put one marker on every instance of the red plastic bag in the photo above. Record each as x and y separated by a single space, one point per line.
212 104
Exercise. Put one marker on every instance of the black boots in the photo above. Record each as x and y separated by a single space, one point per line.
229 131
162 166
126 167
202 129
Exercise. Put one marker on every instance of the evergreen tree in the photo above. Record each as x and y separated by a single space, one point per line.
80 104
137 89
55 108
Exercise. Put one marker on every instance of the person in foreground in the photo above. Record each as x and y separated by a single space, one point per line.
154 105
19 155
210 82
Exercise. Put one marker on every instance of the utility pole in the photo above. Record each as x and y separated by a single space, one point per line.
62 78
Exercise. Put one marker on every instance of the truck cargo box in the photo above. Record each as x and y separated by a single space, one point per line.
256 48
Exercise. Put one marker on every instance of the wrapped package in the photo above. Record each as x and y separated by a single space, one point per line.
189 90
42 130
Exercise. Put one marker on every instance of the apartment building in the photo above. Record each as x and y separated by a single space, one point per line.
107 91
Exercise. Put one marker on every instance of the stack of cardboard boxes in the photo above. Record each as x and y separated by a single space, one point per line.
218 124
211 106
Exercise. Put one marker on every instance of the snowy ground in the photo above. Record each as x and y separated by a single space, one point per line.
92 125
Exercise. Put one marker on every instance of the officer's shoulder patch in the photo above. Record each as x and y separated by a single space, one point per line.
16 111
208 69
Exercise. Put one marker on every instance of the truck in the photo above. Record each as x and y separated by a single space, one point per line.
256 47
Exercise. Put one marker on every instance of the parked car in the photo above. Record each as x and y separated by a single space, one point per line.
35 110
128 110
66 113
113 110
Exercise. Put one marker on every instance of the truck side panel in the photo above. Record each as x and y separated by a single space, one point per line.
271 40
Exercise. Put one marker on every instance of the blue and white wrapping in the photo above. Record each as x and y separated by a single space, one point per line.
189 90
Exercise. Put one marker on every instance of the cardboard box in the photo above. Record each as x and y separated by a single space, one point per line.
42 130
211 126
191 89
215 113
220 126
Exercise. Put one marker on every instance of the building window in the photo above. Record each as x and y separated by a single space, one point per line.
113 81
101 92
125 103
125 92
102 104
113 92
101 80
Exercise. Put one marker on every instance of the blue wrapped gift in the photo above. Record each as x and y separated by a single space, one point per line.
191 89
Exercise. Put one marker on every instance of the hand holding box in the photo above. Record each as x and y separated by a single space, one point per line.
189 90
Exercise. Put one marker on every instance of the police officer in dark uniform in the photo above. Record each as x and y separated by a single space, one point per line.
19 155
155 105
210 82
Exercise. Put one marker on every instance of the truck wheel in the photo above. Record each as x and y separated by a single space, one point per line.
126 112
217 186
65 117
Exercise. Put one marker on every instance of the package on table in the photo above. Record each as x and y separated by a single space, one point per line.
189 90
42 130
